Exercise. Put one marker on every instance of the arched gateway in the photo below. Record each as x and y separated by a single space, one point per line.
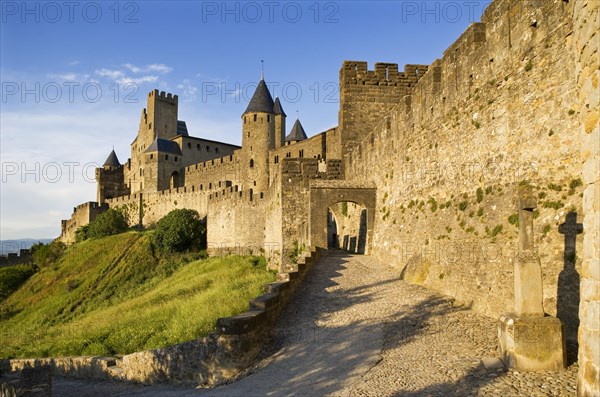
324 194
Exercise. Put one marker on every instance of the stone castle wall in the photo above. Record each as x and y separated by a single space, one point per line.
214 174
587 65
366 96
296 174
155 205
497 111
82 215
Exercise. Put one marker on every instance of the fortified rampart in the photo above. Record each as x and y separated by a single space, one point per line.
586 47
82 215
432 158
145 209
14 258
497 111
366 96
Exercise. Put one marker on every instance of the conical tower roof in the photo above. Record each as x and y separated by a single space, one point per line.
277 109
297 133
261 101
112 160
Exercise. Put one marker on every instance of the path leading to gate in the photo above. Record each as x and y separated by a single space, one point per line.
355 329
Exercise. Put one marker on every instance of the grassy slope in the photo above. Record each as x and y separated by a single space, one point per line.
112 296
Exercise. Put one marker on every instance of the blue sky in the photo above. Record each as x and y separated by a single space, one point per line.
75 76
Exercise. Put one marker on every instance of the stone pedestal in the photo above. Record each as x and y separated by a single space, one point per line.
532 343
529 294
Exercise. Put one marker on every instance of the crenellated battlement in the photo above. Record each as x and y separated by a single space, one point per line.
88 206
82 215
384 74
211 165
163 96
234 195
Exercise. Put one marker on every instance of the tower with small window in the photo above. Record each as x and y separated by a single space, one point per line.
258 137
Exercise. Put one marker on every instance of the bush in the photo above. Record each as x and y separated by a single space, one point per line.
12 277
179 230
106 224
47 254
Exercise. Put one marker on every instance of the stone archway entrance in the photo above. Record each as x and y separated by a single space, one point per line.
326 194
347 227
174 180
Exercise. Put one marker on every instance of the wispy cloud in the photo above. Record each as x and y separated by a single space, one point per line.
155 67
137 80
70 76
188 90
110 73
141 75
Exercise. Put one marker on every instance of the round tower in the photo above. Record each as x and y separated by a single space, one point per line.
258 129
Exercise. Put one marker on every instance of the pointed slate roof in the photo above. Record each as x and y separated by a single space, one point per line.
112 160
277 109
297 133
261 101
163 146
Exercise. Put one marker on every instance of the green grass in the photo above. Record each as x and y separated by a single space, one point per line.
114 296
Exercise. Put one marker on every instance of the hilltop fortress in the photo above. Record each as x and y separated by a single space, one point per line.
421 171
253 197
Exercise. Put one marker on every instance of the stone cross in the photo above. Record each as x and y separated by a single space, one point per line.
570 228
528 271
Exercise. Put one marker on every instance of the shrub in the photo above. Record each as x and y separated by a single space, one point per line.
12 277
259 261
82 233
575 183
433 206
555 187
179 230
47 254
514 220
106 224
546 229
495 231
293 254
553 204
479 193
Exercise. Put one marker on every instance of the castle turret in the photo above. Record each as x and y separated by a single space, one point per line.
258 129
112 161
297 133
110 179
279 123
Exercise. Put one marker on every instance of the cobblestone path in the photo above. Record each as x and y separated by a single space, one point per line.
355 329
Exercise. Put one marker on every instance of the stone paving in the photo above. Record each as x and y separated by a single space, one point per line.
355 329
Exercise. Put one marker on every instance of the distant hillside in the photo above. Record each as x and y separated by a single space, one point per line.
115 296
9 246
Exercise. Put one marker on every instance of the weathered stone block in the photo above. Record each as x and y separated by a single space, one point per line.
264 302
242 323
529 295
532 343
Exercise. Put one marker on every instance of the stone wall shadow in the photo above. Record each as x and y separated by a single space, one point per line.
567 298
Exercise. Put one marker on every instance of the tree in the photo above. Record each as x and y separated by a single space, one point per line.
179 230
47 254
106 224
